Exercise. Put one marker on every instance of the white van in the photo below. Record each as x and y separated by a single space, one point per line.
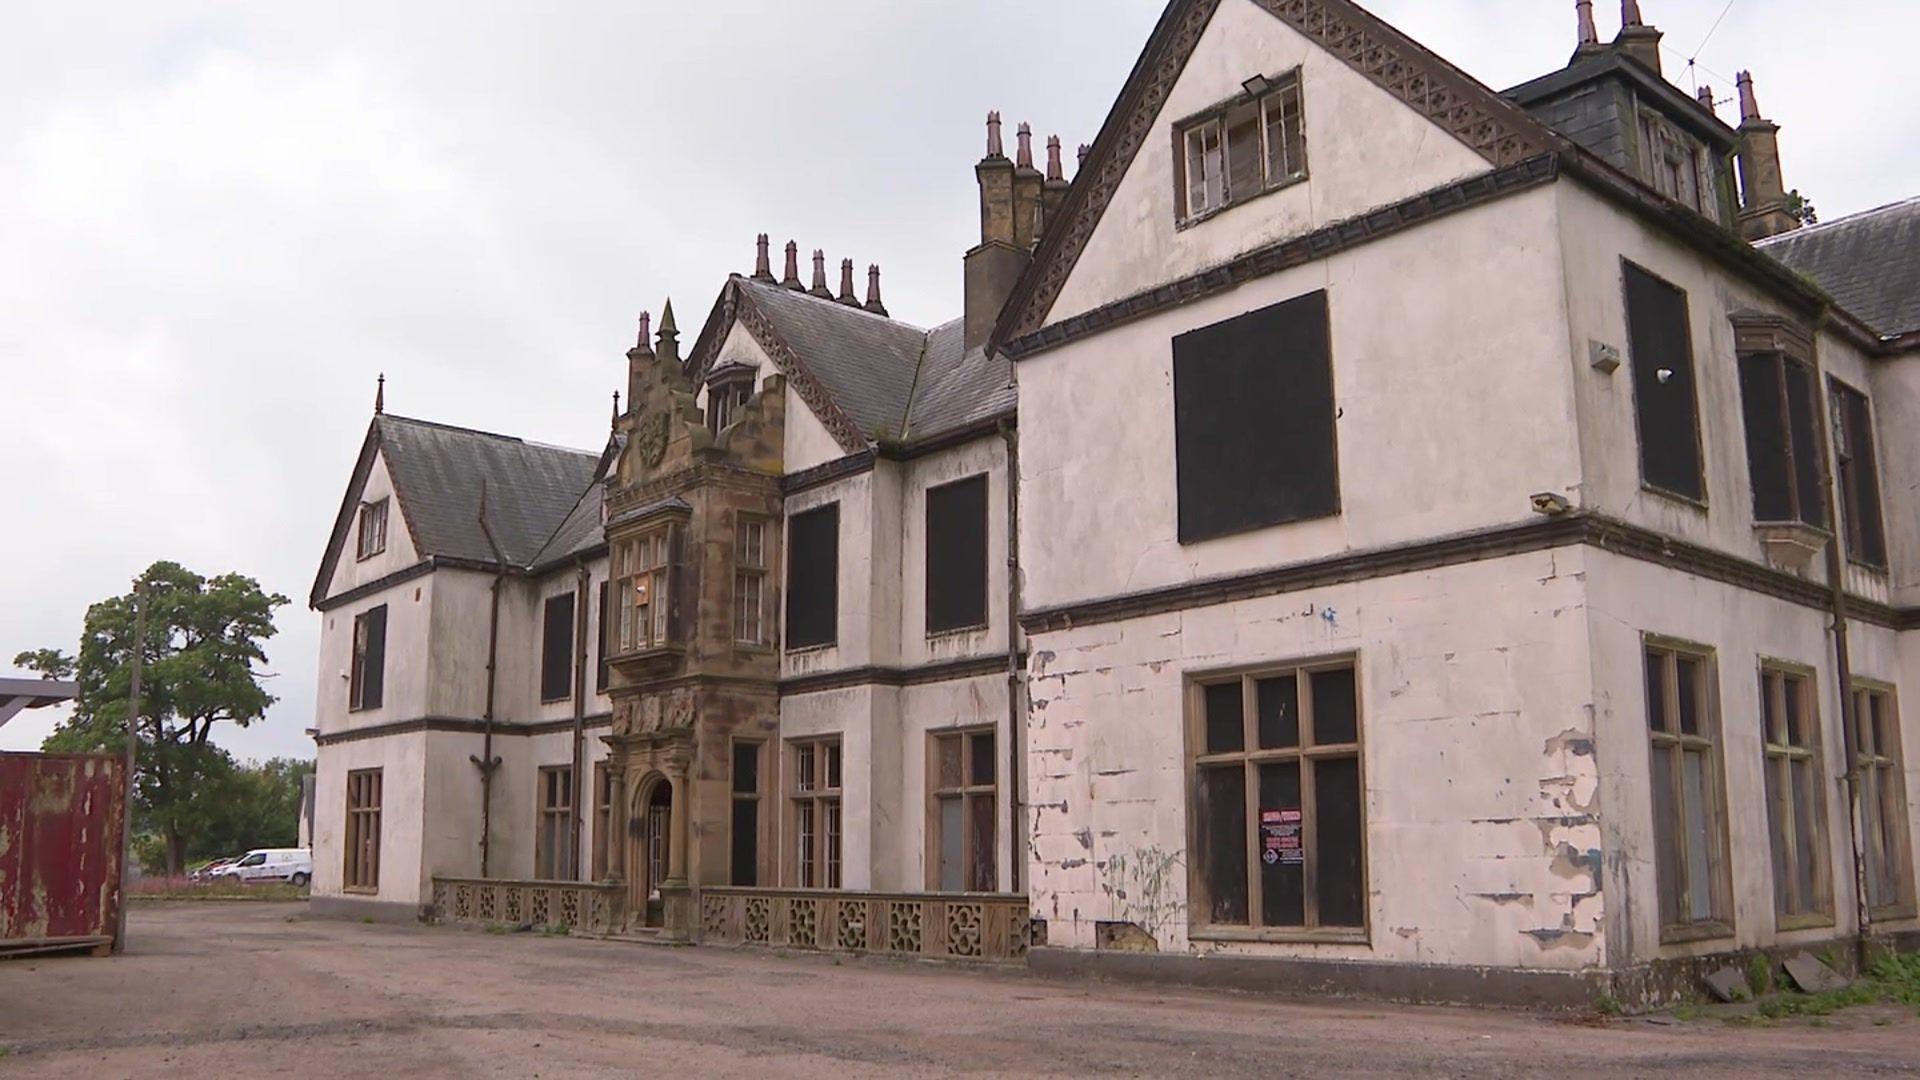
292 865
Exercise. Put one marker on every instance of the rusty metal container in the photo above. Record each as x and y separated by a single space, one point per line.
61 819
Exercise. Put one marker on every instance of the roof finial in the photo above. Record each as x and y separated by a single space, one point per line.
995 148
873 291
846 284
616 408
1589 33
762 266
1055 170
1023 156
820 276
1749 105
1630 13
380 394
791 279
669 336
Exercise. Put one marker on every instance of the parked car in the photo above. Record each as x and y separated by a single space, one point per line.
211 870
291 865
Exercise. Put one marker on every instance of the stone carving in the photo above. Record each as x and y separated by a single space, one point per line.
651 713
650 439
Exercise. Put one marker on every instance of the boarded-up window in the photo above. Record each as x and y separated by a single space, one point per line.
600 673
1254 421
553 843
957 555
1883 802
961 771
367 686
1279 838
1689 793
362 870
745 825
1796 796
556 649
1661 343
1858 475
813 577
1782 450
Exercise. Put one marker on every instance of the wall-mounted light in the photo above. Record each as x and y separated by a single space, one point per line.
1256 86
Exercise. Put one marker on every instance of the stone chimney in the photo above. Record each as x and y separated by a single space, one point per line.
638 359
820 276
994 266
873 303
1053 191
791 279
1586 33
1705 94
1028 184
1763 194
762 266
1637 39
846 284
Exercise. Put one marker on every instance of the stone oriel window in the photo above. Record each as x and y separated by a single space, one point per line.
641 567
366 686
1688 789
1883 801
1278 816
1241 148
1796 787
1858 475
815 809
1660 342
813 577
362 871
1254 422
750 581
553 842
962 800
957 555
556 648
745 822
1779 403
372 538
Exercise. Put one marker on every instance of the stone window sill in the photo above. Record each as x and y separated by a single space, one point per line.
1278 935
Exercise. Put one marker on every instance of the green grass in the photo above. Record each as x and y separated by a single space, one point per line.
1760 975
182 889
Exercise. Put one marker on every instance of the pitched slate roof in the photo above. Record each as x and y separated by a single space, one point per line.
894 381
1868 262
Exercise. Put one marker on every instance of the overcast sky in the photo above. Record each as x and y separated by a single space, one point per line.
219 220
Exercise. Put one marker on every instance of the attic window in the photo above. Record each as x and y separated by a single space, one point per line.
1675 164
373 530
1242 148
728 392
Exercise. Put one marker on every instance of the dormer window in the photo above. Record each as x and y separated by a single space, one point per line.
1676 165
728 390
1242 148
372 539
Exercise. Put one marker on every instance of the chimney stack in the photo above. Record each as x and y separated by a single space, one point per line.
846 284
873 291
762 266
791 280
820 276
1027 186
1053 191
1763 204
1637 39
1085 149
994 266
1705 94
638 358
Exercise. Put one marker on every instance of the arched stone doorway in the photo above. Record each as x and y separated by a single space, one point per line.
650 847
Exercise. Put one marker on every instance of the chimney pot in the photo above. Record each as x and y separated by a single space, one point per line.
820 275
1749 105
1055 171
873 291
1085 149
645 344
995 148
846 284
762 266
1589 33
1705 94
1630 13
791 279
1023 158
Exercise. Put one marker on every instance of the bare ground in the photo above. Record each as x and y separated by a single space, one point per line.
246 989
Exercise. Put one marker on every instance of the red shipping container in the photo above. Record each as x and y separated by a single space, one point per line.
61 820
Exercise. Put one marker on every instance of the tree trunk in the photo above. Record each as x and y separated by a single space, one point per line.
176 852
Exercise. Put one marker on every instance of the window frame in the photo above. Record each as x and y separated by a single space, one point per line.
1700 502
1805 508
647 555
358 667
1251 757
553 814
727 395
1720 923
751 569
1215 117
1778 758
967 793
757 796
376 513
604 801
788 554
950 487
360 872
1864 753
816 836
1856 484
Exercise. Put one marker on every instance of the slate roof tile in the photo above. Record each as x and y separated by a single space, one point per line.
1868 262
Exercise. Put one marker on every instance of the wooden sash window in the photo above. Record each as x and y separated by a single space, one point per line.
750 582
362 872
962 772
553 843
1883 801
373 530
816 813
1858 475
367 679
641 580
1243 148
1796 797
1689 793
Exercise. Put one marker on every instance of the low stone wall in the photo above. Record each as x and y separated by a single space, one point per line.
943 926
580 906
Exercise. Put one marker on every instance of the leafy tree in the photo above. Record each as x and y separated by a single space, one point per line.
1802 208
200 660
50 663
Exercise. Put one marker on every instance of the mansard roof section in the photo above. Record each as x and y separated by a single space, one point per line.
1869 262
1609 64
1488 125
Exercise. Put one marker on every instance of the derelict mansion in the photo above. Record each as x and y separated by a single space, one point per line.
1362 527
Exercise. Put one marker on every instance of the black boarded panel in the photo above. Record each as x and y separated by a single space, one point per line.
1768 458
374 685
1660 341
957 555
1254 437
813 577
556 648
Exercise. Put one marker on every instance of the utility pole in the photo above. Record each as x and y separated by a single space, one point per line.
133 744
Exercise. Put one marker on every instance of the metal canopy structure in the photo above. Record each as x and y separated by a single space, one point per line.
18 694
